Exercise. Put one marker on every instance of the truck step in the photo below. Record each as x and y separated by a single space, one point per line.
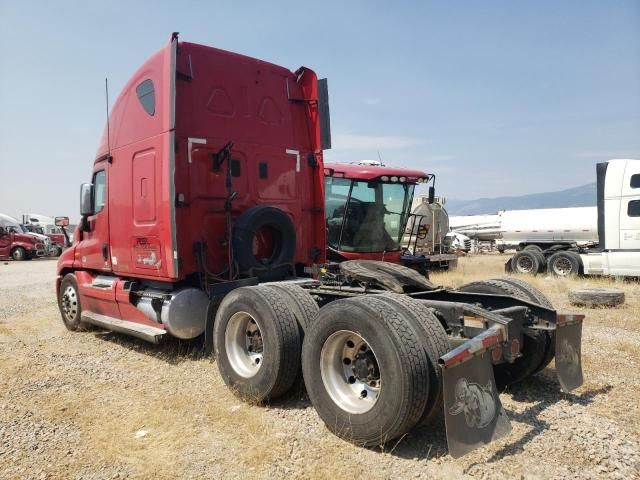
144 332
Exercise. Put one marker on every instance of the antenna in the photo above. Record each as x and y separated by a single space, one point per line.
380 158
106 91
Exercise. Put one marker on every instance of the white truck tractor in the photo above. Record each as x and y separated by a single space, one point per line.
616 246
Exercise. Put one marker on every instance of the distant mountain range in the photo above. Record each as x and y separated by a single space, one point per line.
583 196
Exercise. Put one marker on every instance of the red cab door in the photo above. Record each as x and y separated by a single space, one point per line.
94 250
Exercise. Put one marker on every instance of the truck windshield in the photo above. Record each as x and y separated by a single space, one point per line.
366 217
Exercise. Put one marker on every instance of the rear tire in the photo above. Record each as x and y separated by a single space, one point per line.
534 343
526 261
435 342
257 343
397 369
564 264
537 296
300 302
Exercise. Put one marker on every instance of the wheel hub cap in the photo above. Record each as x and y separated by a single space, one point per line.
525 264
244 344
350 372
69 303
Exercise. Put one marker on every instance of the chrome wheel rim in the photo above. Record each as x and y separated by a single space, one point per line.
243 343
350 372
562 266
524 264
70 304
18 254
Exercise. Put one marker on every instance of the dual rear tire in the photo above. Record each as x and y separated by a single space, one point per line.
369 363
529 261
564 263
396 364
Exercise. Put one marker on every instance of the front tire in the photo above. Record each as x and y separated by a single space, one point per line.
19 253
69 303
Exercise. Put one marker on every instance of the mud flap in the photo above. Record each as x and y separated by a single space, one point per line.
568 351
473 413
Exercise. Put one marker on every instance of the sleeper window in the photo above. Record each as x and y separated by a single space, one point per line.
147 96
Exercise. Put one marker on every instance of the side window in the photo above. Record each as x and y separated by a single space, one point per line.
99 190
147 96
633 209
635 180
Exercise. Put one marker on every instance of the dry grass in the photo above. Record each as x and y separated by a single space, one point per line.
107 387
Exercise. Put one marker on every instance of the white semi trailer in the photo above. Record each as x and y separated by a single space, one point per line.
612 247
547 227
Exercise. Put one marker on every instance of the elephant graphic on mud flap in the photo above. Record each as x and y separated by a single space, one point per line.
476 402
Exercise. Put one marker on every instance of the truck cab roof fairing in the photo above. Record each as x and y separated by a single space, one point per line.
129 121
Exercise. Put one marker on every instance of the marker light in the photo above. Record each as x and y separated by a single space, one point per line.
403 179
394 179
384 178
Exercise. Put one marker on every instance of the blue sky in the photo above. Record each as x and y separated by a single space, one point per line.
495 97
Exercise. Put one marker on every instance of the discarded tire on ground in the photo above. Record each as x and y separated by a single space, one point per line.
564 264
257 343
596 297
526 261
365 374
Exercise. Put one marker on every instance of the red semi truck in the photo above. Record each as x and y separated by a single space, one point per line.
205 216
18 244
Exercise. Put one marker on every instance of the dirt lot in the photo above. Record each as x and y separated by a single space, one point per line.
101 405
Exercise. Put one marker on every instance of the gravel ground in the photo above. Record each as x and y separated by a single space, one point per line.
100 405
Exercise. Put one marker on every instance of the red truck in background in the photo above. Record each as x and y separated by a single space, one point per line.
16 244
205 216
44 225
368 214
